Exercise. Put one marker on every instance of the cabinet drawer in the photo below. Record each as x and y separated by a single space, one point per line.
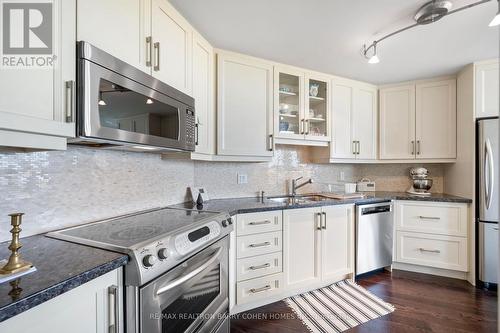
255 289
255 245
253 267
442 218
255 223
446 252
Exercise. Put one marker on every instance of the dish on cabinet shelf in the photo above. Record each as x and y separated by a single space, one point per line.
313 89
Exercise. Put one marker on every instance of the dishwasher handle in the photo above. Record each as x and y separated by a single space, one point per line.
376 209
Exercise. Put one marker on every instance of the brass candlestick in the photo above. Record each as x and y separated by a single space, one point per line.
15 264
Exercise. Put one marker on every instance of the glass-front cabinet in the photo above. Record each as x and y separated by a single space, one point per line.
317 107
289 104
301 107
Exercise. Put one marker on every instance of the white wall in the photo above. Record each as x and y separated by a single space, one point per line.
60 189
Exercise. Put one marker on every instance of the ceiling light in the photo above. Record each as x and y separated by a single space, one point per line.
101 101
149 101
430 12
496 19
374 58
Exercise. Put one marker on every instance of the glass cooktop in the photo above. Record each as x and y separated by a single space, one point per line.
125 232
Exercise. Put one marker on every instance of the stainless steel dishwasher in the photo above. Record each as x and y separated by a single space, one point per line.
374 236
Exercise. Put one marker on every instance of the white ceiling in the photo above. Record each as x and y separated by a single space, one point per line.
327 35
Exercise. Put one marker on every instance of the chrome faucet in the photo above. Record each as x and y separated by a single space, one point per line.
295 187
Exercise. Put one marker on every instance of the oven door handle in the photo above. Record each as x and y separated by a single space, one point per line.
190 275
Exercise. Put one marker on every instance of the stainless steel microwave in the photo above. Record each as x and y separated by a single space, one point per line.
121 107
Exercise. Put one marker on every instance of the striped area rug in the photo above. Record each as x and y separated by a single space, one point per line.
338 307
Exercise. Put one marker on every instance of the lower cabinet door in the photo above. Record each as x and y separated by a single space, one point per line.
337 244
88 308
302 236
438 251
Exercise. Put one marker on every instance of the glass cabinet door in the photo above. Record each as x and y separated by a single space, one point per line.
317 109
290 119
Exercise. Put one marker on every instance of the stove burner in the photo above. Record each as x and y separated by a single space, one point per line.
135 232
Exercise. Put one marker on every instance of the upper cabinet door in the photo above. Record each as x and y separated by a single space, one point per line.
436 124
397 122
244 105
172 46
203 94
317 108
364 128
289 103
119 27
37 107
342 145
487 89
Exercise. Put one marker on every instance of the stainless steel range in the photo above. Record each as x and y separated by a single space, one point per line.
177 276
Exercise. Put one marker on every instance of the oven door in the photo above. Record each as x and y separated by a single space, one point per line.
193 297
114 108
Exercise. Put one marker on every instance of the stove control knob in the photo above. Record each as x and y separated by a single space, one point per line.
148 260
230 221
163 253
224 223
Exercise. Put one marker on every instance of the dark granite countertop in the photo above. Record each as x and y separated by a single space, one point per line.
253 205
58 271
61 266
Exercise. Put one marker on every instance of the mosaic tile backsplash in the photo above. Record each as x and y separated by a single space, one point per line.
80 185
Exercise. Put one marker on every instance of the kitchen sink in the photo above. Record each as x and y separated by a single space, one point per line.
298 199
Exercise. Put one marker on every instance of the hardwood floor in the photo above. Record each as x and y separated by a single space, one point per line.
423 303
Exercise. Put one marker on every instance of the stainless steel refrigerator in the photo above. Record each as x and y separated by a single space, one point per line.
487 199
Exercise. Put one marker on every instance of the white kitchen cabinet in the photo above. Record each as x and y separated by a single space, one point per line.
244 106
301 106
354 120
365 122
487 89
397 122
317 108
431 235
436 120
337 246
37 110
172 46
85 309
203 94
119 27
342 146
318 245
147 34
301 247
418 121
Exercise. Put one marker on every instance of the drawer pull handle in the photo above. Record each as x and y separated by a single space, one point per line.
426 250
260 244
260 223
429 218
253 268
258 290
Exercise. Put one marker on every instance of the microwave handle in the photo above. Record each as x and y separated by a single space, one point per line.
70 101
190 275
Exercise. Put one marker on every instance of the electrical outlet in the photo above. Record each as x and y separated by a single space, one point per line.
342 176
242 179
